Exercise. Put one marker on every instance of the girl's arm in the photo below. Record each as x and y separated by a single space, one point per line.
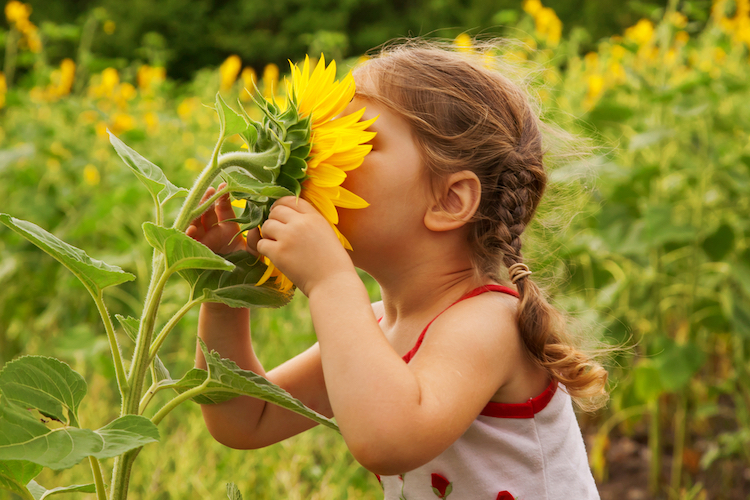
245 422
394 417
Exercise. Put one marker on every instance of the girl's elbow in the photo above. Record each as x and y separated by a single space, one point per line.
383 456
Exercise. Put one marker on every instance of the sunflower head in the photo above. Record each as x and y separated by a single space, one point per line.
304 148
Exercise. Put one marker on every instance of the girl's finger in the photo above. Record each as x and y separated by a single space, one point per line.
195 231
224 208
210 219
282 213
271 229
253 237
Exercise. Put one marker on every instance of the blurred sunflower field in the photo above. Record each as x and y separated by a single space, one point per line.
646 242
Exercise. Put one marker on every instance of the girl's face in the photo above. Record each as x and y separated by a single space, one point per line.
395 183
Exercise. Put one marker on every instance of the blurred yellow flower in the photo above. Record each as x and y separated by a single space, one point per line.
56 148
187 107
270 80
681 38
16 11
591 60
548 26
228 71
109 26
618 52
532 7
149 76
3 89
91 175
249 78
641 33
678 19
152 121
122 122
192 164
463 43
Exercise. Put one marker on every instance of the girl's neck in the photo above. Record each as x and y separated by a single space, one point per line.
422 289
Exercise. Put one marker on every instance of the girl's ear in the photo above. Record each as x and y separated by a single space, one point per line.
459 202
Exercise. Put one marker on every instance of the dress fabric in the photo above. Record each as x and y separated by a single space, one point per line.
528 451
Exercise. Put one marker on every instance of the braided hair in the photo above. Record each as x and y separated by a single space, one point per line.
465 116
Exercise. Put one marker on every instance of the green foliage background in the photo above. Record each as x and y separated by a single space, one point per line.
646 244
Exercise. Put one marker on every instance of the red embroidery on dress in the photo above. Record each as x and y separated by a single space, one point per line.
505 495
441 486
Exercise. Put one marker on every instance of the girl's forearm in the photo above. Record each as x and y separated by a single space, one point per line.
226 330
371 390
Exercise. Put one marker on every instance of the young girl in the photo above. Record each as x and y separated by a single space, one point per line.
459 382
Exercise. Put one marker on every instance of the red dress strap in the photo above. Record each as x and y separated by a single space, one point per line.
477 291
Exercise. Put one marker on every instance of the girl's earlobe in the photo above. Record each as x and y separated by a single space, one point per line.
460 200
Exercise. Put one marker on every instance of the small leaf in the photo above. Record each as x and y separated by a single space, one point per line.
40 492
44 384
295 168
227 377
16 474
182 251
233 492
239 181
24 437
149 174
231 122
131 327
94 274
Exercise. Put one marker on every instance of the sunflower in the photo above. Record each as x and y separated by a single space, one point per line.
338 145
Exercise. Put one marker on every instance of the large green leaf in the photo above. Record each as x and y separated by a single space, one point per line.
45 384
16 474
40 492
149 174
182 251
227 378
237 288
23 436
95 274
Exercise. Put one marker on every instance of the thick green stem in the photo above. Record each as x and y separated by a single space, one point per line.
96 471
122 381
202 183
679 446
654 446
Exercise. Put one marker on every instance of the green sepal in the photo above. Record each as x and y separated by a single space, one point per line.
296 168
230 121
290 183
94 274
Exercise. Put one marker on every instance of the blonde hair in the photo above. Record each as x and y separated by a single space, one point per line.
467 116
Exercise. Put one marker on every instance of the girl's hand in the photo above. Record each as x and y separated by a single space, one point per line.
213 230
302 244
